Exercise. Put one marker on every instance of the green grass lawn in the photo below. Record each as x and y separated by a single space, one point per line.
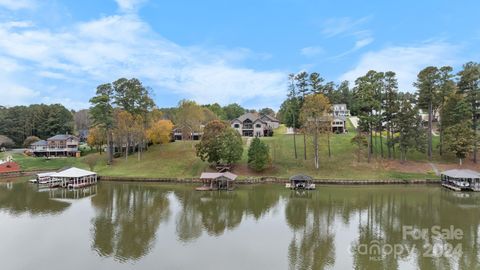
341 165
178 160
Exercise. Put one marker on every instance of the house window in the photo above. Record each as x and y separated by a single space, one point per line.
258 126
236 125
247 124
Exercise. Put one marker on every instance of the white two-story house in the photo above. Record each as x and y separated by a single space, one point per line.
339 120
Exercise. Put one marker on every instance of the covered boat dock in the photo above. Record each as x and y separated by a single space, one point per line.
217 181
461 179
69 178
300 181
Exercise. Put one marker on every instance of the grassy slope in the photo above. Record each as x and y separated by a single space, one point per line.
341 164
178 160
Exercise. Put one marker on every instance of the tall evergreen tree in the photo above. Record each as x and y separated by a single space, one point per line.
410 129
428 86
303 90
469 85
446 88
366 91
102 113
258 155
390 106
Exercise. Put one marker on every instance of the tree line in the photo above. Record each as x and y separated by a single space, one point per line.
39 120
391 122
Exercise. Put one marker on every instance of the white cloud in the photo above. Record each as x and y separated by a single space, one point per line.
17 4
344 25
405 61
347 27
129 5
116 46
14 94
362 43
312 51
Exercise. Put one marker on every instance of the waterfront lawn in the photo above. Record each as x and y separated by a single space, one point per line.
175 159
178 160
42 164
341 165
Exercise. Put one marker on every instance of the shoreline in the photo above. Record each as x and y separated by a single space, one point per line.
269 180
241 181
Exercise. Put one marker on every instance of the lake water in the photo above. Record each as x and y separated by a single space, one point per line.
146 226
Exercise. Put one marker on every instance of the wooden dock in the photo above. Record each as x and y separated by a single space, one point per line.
451 187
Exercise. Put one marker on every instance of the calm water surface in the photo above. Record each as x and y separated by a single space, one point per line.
140 226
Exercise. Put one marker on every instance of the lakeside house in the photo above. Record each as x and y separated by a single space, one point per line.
62 145
255 125
182 133
340 112
217 181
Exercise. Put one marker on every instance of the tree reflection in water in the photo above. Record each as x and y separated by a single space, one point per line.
379 213
216 212
22 198
312 245
127 217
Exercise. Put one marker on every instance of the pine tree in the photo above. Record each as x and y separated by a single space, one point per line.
410 128
258 155
469 85
427 85
446 88
390 106
303 90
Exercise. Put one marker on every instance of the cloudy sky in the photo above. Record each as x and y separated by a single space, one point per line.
54 51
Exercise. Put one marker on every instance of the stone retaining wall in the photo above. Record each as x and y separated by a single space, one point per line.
274 180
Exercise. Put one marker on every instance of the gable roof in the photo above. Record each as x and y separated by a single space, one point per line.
461 173
61 137
40 143
251 116
301 177
228 175
73 172
254 117
271 118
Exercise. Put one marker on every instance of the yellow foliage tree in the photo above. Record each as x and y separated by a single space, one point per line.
97 137
160 132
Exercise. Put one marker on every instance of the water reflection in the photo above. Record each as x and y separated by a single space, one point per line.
18 199
216 212
321 229
312 245
127 218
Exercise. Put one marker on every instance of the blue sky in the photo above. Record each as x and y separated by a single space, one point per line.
54 51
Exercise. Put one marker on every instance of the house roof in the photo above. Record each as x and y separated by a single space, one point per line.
61 137
45 174
73 172
271 118
461 173
40 143
229 175
254 117
251 116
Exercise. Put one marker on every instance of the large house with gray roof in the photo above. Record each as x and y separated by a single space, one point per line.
255 125
62 145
